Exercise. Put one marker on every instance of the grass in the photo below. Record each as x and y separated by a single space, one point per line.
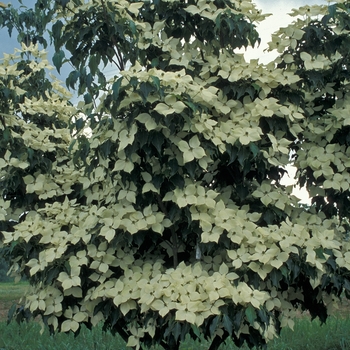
27 337
307 335
12 291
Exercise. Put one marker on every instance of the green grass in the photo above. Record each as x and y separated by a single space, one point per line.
307 335
27 337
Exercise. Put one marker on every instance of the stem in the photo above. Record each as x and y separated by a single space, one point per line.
115 63
123 334
118 54
175 250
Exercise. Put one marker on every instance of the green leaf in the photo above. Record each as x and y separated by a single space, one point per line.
132 27
172 167
57 30
156 82
228 325
105 149
6 136
72 78
155 62
319 253
269 216
101 78
52 274
331 262
250 314
87 98
11 313
242 191
116 87
94 62
284 270
275 277
134 82
142 137
243 155
57 59
157 181
64 2
254 149
325 281
178 181
232 151
346 284
72 144
145 89
79 124
332 10
191 105
237 318
191 168
157 141
196 330
184 331
177 330
214 325
263 316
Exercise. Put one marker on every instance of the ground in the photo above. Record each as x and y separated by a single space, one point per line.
4 309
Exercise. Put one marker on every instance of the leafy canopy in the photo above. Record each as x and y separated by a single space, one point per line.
155 205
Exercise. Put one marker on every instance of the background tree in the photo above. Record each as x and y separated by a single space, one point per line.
4 267
155 205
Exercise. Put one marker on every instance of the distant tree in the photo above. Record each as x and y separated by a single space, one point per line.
155 205
4 267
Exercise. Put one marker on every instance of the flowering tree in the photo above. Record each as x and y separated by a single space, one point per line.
155 205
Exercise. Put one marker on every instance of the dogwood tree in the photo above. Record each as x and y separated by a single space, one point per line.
154 206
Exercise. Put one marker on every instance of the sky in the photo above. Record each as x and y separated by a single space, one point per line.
8 44
279 18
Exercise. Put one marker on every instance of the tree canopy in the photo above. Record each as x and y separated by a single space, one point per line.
154 205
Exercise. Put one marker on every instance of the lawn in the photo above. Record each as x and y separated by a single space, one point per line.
307 335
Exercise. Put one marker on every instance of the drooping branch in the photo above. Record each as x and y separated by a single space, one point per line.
116 50
118 54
